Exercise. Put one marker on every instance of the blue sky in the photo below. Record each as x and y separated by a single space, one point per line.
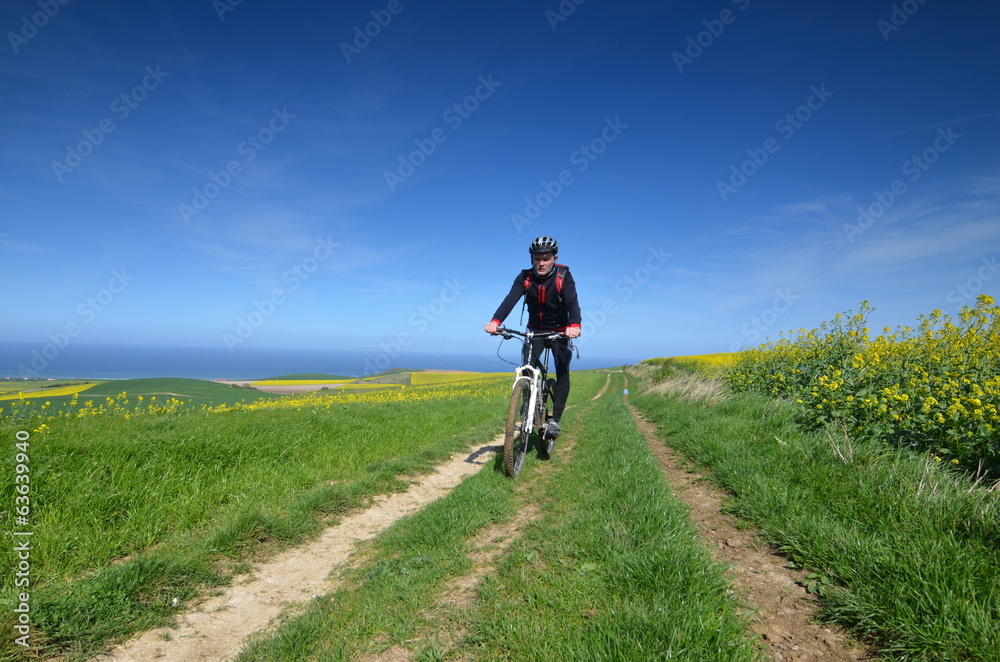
348 175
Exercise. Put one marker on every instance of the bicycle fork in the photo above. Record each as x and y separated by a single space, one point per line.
528 423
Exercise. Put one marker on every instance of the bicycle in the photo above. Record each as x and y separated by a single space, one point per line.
530 401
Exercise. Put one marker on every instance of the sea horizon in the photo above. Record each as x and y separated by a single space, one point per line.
112 362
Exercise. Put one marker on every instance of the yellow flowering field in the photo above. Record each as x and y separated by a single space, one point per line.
368 386
711 364
325 400
935 387
47 392
299 382
708 365
120 405
425 378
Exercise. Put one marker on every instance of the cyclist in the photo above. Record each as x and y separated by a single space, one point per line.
550 295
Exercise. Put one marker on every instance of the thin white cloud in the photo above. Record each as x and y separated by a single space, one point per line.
15 245
951 122
894 250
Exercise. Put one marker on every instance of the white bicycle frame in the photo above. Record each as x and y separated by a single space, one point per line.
531 374
534 379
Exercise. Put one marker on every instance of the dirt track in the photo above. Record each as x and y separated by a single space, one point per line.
784 611
213 630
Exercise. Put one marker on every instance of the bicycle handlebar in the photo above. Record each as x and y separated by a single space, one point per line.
510 333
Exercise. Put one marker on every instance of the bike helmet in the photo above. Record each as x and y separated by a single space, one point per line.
543 245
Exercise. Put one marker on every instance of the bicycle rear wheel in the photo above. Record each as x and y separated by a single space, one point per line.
518 431
546 444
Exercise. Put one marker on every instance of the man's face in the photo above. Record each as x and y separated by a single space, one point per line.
543 263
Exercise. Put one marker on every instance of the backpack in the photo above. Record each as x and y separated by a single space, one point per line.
561 270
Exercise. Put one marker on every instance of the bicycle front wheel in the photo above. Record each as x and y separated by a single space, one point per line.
518 431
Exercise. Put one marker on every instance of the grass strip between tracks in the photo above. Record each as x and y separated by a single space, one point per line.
613 570
902 551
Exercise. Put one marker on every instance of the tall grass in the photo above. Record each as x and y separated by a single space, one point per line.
910 549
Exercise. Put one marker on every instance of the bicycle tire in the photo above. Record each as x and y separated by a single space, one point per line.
546 444
516 434
541 411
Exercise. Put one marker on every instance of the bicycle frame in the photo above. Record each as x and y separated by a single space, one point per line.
527 410
535 375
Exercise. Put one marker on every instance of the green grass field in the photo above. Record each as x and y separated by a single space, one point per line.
312 376
175 500
194 389
129 514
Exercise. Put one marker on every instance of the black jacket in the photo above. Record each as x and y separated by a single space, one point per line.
547 309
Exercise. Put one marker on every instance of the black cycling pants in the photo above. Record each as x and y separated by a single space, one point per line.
563 354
